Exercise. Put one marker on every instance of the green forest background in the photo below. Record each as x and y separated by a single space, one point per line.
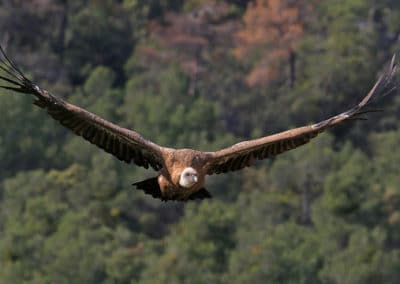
201 74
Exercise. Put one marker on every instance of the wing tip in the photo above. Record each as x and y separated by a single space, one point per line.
378 90
393 64
13 76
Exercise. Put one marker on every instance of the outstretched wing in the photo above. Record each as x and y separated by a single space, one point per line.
125 144
245 153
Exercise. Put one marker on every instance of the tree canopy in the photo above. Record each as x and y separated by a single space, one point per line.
202 74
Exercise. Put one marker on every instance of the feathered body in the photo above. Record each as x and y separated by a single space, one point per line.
181 172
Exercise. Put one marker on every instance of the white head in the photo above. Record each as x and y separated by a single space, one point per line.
188 177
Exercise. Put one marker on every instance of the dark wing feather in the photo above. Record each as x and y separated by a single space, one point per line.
150 186
245 153
125 144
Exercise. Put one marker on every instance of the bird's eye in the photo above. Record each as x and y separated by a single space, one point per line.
187 174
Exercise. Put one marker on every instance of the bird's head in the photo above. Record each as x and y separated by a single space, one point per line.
188 177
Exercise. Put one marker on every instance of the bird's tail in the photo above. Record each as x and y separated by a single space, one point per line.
11 77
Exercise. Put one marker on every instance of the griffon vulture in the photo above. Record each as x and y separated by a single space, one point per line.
182 172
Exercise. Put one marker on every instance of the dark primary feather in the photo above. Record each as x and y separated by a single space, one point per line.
123 143
245 153
150 186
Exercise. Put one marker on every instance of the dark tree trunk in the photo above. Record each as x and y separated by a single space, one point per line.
60 44
292 65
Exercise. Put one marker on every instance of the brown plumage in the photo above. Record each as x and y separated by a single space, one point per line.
182 172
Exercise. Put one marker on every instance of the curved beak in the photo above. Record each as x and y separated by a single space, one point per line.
195 179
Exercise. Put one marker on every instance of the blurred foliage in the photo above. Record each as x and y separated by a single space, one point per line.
202 74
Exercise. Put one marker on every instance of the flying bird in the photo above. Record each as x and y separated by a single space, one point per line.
181 172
